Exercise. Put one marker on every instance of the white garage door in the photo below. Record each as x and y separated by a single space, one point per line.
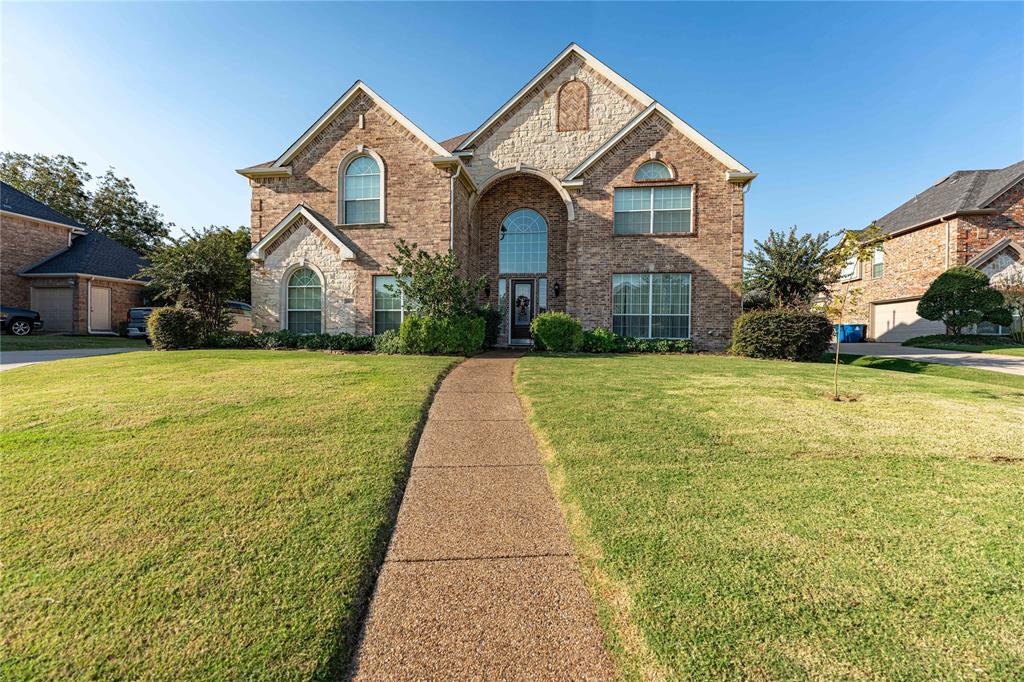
54 305
898 322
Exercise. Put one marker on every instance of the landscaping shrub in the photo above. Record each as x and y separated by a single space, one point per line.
442 335
961 297
174 328
600 340
388 343
629 344
559 332
285 339
783 333
492 323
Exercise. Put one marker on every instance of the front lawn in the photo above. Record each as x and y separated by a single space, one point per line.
935 369
969 343
9 342
198 515
736 524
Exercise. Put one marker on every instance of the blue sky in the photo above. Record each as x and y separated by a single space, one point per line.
846 110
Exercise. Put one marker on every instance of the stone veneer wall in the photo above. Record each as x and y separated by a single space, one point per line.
24 242
529 133
712 254
416 209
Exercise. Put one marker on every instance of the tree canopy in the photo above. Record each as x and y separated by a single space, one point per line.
962 296
790 269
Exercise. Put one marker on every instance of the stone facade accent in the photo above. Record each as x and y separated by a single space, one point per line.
529 133
573 106
712 254
914 259
24 242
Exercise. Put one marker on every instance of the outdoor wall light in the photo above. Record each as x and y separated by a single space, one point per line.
487 291
557 289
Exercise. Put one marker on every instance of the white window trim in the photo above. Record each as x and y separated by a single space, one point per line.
652 210
343 166
877 259
401 303
284 294
856 271
650 304
671 173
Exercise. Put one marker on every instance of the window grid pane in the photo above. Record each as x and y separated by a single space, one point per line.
653 210
388 308
653 170
362 212
651 305
523 243
304 302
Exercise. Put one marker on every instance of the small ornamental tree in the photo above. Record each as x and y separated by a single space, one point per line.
961 297
431 283
790 270
1011 286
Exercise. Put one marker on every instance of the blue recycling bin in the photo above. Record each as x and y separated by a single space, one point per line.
851 333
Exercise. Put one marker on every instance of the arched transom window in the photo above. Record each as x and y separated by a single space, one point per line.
362 192
653 170
305 300
523 243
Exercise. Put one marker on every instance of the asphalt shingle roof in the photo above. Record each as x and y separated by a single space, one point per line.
452 143
16 201
93 254
960 191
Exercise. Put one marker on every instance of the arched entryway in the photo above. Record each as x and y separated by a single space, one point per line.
519 245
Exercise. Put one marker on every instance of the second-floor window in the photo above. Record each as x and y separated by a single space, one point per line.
653 210
878 263
362 192
849 270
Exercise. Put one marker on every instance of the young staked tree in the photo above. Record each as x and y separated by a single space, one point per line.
963 296
431 283
861 246
201 271
791 270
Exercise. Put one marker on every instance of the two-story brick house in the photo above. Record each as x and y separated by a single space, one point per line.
581 194
971 217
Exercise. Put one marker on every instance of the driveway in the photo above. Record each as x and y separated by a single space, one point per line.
994 363
21 358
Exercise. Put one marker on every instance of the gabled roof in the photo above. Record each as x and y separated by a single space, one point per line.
593 62
92 254
258 251
995 250
452 143
738 171
13 200
964 191
280 166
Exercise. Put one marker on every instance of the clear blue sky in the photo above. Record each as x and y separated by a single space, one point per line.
846 110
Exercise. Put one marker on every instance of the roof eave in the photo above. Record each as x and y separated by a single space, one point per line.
73 228
264 172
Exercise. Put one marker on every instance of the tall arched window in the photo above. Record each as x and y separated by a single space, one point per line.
523 243
305 299
362 192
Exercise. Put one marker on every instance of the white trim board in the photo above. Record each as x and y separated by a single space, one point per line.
591 61
72 228
258 251
679 124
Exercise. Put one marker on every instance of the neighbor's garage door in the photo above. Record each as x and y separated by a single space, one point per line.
54 305
899 321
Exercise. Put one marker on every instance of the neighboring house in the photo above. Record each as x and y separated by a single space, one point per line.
580 194
78 280
973 217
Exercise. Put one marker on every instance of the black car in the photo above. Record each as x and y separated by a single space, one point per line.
19 321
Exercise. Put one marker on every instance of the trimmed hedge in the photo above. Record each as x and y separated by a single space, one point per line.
286 340
442 336
781 334
559 332
601 340
174 328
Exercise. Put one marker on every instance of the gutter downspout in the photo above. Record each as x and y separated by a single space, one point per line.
451 209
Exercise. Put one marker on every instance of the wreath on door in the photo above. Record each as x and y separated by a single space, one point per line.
523 305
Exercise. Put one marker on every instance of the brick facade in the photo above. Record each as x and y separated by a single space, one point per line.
24 242
570 113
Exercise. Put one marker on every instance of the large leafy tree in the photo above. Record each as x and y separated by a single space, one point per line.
201 271
113 208
791 269
962 296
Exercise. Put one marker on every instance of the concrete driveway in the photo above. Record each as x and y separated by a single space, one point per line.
21 358
994 363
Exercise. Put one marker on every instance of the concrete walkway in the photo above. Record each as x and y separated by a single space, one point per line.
21 358
479 580
1007 364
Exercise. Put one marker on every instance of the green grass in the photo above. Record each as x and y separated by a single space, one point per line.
934 369
58 342
198 515
734 523
969 343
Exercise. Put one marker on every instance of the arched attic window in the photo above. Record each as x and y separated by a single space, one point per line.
362 189
653 170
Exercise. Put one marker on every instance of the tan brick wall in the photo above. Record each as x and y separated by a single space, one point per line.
24 242
122 297
712 254
977 233
416 203
529 133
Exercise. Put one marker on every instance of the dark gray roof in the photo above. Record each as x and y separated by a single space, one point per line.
968 190
93 254
16 201
452 143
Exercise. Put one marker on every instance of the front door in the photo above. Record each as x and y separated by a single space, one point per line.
99 309
522 310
